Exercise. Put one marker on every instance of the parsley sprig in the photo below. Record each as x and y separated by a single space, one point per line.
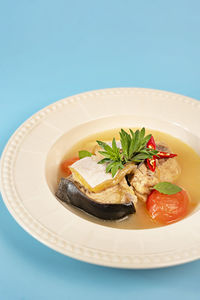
133 150
113 157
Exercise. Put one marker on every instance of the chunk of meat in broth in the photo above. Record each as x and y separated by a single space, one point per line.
167 169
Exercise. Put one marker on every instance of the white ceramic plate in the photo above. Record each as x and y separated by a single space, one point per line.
29 168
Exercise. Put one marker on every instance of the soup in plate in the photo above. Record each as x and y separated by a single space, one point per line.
130 178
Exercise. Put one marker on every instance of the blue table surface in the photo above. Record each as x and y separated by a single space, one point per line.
53 49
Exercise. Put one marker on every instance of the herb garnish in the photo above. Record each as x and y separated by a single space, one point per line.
167 188
133 150
84 153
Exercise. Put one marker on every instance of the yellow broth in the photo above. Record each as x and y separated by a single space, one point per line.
189 178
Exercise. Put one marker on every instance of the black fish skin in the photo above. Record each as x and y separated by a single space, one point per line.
70 193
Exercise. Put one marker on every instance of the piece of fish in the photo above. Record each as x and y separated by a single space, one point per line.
69 192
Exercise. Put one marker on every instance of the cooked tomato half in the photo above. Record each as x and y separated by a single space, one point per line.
167 209
64 166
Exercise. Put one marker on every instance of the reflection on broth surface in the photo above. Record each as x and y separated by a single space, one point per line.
189 178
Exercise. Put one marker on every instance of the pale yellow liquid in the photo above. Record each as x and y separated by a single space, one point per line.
189 179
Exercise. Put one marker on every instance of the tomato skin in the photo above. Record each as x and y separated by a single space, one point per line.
167 209
64 166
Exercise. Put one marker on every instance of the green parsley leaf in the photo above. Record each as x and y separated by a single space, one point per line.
109 167
105 146
106 154
114 169
104 160
114 145
167 188
84 153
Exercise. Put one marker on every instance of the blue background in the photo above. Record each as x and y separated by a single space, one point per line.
53 49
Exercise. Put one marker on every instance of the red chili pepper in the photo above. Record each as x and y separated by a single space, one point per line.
151 143
152 161
162 154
